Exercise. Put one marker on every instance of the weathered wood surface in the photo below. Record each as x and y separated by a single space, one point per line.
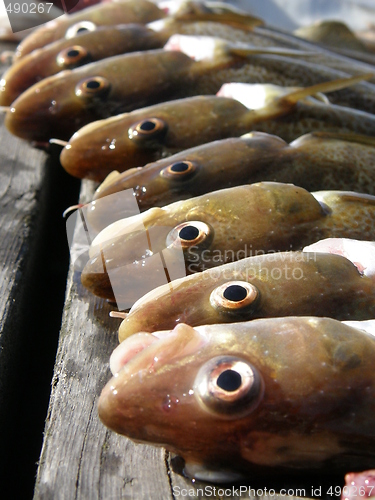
81 459
34 263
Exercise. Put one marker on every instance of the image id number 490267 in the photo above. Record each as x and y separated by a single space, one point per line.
352 491
29 8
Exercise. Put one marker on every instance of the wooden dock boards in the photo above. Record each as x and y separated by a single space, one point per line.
34 265
80 458
34 190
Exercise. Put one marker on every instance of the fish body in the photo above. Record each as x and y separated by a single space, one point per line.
361 253
277 284
313 161
70 53
106 41
59 105
277 395
102 146
227 225
338 37
110 13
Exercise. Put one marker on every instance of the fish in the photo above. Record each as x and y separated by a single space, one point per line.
161 130
318 160
73 52
327 55
361 253
338 37
223 226
261 286
107 41
272 396
61 104
109 13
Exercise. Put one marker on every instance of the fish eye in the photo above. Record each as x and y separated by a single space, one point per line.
234 297
189 234
72 56
228 386
150 128
179 170
95 86
79 28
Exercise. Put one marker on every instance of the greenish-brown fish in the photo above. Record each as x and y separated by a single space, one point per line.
148 134
59 105
224 226
338 37
107 41
269 285
270 396
111 13
314 161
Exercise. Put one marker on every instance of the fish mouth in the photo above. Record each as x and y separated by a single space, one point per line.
147 350
140 363
131 257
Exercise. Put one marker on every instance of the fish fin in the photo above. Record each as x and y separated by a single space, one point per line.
202 473
217 12
348 196
340 136
358 197
340 83
245 50
108 180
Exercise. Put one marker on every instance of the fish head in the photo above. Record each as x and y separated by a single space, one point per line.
57 105
198 229
123 408
37 65
72 52
63 103
220 295
190 172
106 13
131 256
148 134
271 392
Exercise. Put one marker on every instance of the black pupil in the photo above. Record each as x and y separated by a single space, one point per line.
79 30
179 167
189 233
93 84
147 126
73 53
235 293
229 380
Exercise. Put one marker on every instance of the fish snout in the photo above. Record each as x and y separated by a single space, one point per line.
46 110
143 361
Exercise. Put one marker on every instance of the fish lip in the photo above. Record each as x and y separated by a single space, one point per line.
139 349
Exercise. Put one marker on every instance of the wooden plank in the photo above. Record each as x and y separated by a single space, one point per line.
33 272
80 458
